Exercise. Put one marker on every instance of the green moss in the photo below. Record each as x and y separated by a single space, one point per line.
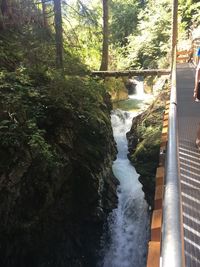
116 88
149 146
145 137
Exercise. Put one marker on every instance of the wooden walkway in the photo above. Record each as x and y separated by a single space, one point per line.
189 155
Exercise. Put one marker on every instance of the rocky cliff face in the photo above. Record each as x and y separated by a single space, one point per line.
144 144
56 181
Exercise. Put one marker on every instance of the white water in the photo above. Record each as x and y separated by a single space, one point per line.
128 224
140 94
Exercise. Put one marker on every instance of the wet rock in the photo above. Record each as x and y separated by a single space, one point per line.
52 211
131 86
144 144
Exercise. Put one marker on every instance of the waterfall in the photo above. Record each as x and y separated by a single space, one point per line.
135 88
140 89
128 225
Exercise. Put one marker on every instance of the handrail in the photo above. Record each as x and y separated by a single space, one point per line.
172 252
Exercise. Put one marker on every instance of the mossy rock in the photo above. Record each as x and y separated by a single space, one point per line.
144 144
116 88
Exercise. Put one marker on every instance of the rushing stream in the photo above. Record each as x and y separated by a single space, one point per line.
125 244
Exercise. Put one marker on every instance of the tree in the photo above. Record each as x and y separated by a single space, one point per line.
5 12
59 33
149 48
124 20
189 12
104 61
44 13
83 30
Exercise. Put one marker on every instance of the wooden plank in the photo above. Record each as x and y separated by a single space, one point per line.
156 225
165 123
153 259
158 204
164 139
182 58
163 147
160 180
160 172
184 52
156 219
159 192
166 116
156 234
161 163
164 130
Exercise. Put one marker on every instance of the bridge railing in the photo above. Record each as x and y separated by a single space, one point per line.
172 247
184 55
190 54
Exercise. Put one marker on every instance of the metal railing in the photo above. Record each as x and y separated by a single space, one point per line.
172 250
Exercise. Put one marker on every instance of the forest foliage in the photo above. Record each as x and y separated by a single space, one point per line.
139 31
138 35
34 91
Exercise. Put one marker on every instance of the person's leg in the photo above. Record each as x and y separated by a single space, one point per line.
198 138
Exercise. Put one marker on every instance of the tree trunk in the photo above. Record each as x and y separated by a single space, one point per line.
104 61
4 7
4 13
44 13
59 33
1 18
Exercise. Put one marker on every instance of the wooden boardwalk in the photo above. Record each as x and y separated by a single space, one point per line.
189 155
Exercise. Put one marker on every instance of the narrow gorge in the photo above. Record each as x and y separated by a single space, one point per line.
77 167
128 225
